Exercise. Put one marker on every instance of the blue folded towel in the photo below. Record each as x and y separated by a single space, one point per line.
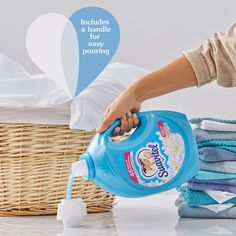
205 135
222 167
199 120
215 154
207 175
196 198
201 186
186 211
231 182
229 145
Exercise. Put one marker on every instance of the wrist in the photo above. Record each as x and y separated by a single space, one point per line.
136 93
133 96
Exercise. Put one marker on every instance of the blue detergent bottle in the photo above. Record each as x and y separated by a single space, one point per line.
159 155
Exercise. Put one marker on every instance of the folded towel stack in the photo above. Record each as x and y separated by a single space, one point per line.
212 193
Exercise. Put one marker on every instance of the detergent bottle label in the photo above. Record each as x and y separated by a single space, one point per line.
159 160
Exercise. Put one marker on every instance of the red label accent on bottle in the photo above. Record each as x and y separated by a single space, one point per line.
129 166
162 128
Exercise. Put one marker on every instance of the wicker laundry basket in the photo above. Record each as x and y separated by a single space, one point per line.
35 163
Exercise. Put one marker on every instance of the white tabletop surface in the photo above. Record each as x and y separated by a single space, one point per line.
154 215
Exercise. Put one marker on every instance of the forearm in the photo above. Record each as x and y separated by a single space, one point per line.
177 75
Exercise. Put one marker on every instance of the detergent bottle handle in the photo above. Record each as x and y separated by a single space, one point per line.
143 118
109 131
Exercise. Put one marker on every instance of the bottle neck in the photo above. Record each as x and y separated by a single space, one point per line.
90 166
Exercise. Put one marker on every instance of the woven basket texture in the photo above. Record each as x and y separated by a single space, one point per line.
35 164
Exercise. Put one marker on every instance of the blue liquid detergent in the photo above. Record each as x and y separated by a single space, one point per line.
159 155
69 187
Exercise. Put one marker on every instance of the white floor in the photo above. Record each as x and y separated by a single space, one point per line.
154 215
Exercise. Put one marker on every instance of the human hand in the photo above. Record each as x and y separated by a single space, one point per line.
124 108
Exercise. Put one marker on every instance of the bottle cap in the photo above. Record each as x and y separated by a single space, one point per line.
71 212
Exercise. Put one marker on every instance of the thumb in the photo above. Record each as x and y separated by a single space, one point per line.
109 118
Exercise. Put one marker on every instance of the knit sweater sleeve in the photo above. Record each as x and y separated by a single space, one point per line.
215 59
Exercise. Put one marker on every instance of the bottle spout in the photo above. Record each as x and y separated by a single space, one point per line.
79 168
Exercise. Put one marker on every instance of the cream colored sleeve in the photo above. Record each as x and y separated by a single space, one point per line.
215 59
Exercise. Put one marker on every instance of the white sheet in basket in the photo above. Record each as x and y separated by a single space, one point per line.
37 99
27 99
88 108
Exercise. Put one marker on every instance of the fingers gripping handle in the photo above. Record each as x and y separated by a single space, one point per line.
142 120
109 131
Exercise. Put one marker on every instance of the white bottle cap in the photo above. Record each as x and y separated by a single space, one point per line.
79 168
71 212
